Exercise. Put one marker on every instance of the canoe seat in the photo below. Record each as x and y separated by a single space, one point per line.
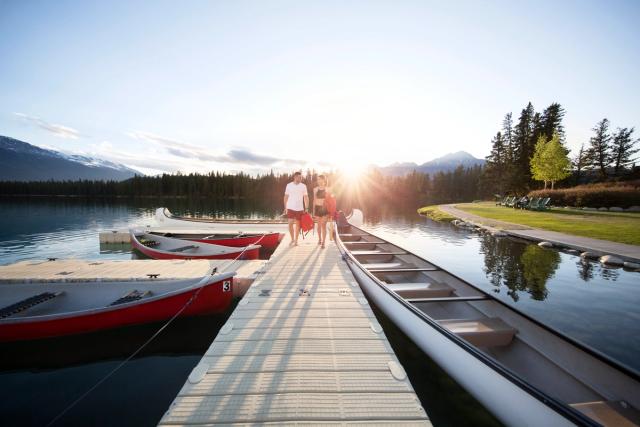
351 237
377 253
485 332
421 290
610 413
367 243
183 248
134 295
27 303
381 265
367 252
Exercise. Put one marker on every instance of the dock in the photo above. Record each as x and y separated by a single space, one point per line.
302 347
76 270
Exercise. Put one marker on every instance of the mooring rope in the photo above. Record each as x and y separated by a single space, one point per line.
140 348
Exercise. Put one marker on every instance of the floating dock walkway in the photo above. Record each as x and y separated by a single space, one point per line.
302 347
76 270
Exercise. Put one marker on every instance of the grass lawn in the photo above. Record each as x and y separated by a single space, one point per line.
623 227
435 214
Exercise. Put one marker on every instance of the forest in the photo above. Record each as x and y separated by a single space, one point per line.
372 187
523 153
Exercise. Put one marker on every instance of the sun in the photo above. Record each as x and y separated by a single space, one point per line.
352 170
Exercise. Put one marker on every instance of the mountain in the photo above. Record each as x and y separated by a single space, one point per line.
20 161
445 163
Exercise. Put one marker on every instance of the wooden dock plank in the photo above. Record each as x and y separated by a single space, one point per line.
257 408
302 313
298 346
297 362
302 347
306 333
305 322
296 382
75 270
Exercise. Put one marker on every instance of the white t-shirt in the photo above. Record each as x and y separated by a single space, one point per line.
296 192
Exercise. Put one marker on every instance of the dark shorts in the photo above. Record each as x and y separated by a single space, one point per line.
291 214
321 211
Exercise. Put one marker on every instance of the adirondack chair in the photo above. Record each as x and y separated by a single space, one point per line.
520 204
533 204
512 202
543 204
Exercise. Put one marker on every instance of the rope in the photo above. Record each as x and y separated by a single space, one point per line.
147 342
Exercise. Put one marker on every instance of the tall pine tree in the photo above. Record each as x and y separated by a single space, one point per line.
495 173
523 148
551 121
622 149
600 148
579 163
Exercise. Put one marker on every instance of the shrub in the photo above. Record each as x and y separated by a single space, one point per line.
599 195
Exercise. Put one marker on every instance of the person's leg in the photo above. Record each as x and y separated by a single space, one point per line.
331 229
291 219
291 223
297 232
318 218
322 223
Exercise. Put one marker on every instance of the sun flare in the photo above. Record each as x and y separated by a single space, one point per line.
352 171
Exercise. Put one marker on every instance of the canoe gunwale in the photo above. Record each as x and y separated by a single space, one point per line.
555 404
230 251
169 215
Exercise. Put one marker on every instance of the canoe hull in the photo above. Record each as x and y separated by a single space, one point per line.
472 374
213 297
268 241
209 250
164 218
249 254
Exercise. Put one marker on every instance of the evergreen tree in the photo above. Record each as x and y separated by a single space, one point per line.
523 147
496 165
622 149
600 147
550 162
580 161
551 121
509 145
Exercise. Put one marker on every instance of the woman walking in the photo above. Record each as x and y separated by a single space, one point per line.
320 211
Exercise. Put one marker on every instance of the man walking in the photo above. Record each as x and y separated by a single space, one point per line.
296 201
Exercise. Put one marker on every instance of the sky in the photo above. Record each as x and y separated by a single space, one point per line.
248 86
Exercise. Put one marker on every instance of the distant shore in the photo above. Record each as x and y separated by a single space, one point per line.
602 233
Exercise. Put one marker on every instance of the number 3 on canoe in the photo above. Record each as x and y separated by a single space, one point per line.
226 286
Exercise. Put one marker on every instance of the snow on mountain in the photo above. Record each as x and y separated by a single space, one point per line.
21 161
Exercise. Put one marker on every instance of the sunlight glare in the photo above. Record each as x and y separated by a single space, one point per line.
352 171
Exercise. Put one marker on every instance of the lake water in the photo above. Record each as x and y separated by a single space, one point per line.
595 305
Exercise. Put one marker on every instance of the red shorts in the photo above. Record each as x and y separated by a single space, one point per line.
291 214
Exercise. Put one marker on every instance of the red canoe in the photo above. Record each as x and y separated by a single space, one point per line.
41 310
160 247
268 240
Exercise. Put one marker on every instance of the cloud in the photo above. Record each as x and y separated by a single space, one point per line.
58 130
240 155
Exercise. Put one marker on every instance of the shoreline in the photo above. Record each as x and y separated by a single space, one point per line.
597 247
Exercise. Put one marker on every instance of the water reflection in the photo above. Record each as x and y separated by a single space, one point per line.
521 268
591 303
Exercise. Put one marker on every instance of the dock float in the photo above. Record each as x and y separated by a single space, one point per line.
302 347
76 270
